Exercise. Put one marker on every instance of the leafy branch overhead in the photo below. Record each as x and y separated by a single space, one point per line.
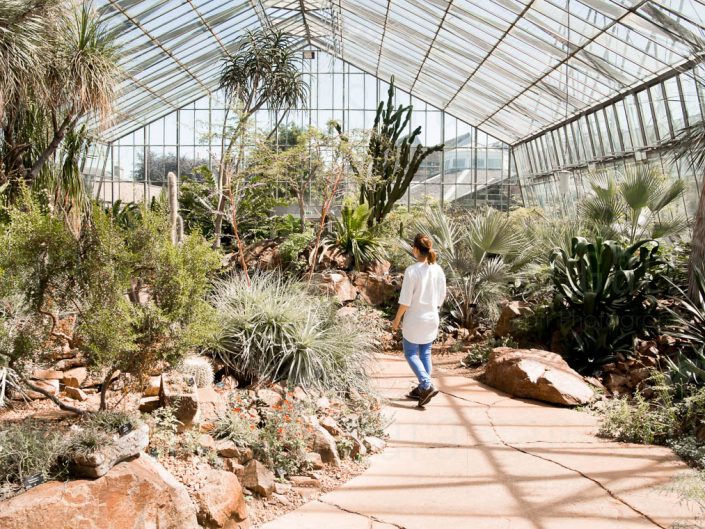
394 158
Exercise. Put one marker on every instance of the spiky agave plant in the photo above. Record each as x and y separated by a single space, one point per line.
352 236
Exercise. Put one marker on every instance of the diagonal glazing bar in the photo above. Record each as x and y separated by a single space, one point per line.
156 42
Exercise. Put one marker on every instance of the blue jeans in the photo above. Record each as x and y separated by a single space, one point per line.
419 358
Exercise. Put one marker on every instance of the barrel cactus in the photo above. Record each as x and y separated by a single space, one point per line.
200 368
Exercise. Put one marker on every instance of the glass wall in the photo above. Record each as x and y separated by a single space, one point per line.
635 129
473 169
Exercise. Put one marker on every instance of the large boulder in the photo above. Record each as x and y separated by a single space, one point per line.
334 284
123 448
220 500
139 494
258 478
377 289
536 374
510 312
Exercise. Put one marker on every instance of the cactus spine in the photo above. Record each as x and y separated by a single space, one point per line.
393 162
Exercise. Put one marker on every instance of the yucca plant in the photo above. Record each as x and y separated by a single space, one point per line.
604 293
633 204
273 329
688 326
480 253
351 235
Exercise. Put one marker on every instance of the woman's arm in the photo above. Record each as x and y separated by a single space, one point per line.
400 314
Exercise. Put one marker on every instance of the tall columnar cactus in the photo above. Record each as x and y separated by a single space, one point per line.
394 162
176 223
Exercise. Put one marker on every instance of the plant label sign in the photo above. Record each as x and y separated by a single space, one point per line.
124 429
191 381
32 481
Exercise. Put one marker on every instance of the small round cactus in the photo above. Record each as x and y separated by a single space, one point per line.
200 368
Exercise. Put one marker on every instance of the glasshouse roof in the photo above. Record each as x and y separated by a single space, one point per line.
509 67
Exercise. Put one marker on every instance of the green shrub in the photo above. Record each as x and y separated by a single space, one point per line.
606 293
27 449
273 329
238 426
57 272
479 353
292 248
85 442
636 421
110 421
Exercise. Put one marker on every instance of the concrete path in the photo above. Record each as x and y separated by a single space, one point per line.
477 459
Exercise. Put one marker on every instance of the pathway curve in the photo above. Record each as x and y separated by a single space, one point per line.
477 459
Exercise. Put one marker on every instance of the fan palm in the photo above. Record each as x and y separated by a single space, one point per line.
480 253
633 204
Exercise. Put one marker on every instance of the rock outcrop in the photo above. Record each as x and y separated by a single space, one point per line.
139 494
538 375
220 501
123 448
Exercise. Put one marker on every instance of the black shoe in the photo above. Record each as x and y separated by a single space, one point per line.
425 395
414 394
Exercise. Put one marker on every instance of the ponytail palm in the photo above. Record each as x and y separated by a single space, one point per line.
633 204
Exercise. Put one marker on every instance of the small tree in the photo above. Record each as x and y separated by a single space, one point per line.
298 168
262 72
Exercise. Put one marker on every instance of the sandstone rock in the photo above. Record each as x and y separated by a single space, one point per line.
305 482
263 255
47 374
536 374
140 494
374 444
323 403
282 500
220 501
211 404
52 386
152 386
232 465
183 398
379 268
75 393
358 447
314 460
227 448
331 426
270 397
335 284
299 393
258 478
324 444
75 377
375 289
333 258
123 448
282 488
206 441
149 404
510 312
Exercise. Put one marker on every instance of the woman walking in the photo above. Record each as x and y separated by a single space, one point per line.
422 294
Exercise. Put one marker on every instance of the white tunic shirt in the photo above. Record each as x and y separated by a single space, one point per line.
423 291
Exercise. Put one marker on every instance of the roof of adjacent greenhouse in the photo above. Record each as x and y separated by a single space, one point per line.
500 65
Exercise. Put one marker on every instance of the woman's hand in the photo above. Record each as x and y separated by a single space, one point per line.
395 325
397 319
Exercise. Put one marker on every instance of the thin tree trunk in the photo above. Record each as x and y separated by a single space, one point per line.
697 254
53 398
302 210
59 135
104 389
